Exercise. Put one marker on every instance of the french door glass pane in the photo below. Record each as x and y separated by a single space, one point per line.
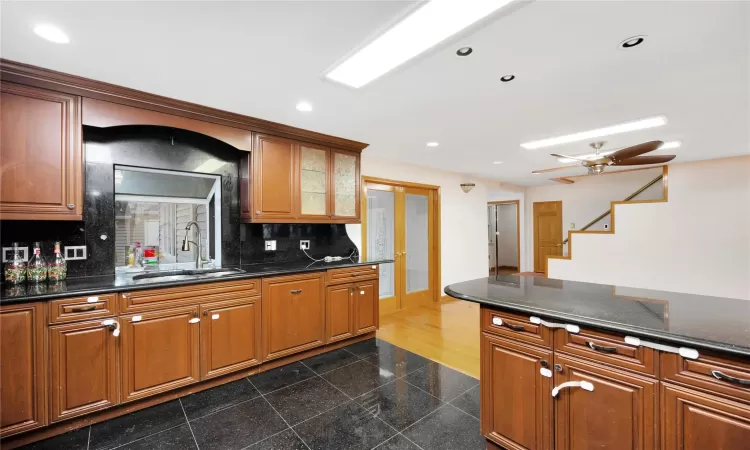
381 236
417 242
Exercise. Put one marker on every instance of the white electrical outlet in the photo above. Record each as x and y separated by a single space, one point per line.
304 245
270 246
73 252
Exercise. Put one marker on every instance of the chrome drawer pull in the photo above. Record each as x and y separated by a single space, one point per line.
113 325
725 377
585 385
601 348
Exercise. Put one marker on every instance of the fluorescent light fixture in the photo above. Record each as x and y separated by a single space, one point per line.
642 124
419 31
433 144
51 33
304 107
209 166
497 162
670 144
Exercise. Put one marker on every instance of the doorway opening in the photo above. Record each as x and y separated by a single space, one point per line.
548 233
400 221
504 235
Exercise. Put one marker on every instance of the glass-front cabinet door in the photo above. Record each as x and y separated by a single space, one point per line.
345 185
315 176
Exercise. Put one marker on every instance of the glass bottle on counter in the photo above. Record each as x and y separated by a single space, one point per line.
15 269
36 269
58 268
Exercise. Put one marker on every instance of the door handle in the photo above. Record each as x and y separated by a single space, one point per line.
514 327
83 308
585 385
296 291
601 348
113 325
724 377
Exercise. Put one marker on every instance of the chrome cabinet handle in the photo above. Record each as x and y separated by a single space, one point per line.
724 377
585 385
601 348
296 291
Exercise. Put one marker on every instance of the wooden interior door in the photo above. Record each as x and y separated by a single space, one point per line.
620 413
516 402
83 369
547 233
159 351
275 178
340 310
230 334
23 368
366 307
41 168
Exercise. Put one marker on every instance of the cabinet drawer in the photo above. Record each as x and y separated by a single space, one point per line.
607 348
149 300
515 326
351 274
82 308
721 375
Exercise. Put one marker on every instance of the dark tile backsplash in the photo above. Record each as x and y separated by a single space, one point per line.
170 149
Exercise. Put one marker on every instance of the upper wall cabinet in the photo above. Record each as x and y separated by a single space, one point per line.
41 167
285 181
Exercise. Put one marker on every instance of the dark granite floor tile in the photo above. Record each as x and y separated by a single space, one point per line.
237 427
447 429
280 377
217 398
178 438
136 425
349 427
468 402
399 404
369 347
329 361
398 442
358 378
306 399
72 440
397 360
286 440
440 381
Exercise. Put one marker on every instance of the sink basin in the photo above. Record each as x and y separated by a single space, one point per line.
176 275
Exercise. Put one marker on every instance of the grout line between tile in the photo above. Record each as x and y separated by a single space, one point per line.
222 409
423 418
282 417
462 393
337 368
145 437
188 424
470 415
334 386
278 389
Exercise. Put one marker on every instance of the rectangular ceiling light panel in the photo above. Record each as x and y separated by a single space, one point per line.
642 124
426 27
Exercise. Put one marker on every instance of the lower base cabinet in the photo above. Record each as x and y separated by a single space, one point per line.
230 336
83 369
159 351
339 312
366 311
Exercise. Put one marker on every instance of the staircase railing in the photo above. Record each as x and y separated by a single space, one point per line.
629 197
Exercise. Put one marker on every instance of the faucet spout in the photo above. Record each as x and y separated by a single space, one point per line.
186 243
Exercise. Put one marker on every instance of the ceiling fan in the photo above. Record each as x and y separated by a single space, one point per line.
628 156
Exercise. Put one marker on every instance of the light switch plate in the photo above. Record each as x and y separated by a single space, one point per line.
73 252
270 246
8 253
304 245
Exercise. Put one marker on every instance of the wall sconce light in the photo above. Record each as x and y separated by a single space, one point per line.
467 187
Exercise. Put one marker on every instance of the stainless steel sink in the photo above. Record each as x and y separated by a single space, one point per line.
177 275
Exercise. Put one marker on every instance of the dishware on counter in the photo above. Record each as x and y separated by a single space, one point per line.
36 269
58 267
15 269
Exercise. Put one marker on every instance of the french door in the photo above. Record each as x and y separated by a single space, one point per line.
400 225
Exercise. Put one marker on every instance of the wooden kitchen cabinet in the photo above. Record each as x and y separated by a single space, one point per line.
83 368
293 309
159 351
41 166
366 311
516 398
272 189
339 312
23 368
345 186
696 420
314 183
230 334
620 413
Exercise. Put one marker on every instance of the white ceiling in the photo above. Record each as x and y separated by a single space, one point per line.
261 58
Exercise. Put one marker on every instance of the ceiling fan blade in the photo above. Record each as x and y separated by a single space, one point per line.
635 150
643 160
577 158
555 168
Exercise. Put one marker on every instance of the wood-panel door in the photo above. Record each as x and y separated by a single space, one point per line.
620 413
159 351
23 368
547 233
230 336
366 315
693 420
293 309
41 166
274 179
83 369
345 186
516 400
339 312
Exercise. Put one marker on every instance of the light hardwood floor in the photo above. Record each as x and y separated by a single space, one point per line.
446 332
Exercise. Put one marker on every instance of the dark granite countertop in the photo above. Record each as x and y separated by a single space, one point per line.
118 283
696 321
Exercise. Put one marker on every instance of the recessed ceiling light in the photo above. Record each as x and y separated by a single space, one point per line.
497 162
304 107
51 33
632 41
670 144
421 30
433 144
642 124
464 51
507 78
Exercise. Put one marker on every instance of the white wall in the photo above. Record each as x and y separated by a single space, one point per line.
503 191
697 242
586 199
